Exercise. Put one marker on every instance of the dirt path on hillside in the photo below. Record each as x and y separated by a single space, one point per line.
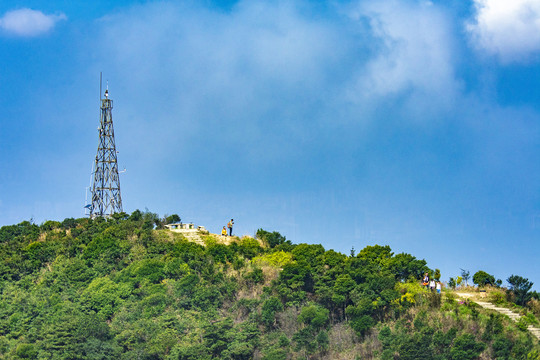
512 315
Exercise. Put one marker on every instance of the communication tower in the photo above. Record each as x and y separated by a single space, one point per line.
105 188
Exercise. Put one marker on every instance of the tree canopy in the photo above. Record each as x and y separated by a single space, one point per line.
122 288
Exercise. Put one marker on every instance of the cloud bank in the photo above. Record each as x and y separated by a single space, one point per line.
507 29
414 59
278 67
28 23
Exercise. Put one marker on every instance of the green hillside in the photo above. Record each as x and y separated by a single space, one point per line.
124 288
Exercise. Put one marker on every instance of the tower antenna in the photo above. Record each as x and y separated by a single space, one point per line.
105 188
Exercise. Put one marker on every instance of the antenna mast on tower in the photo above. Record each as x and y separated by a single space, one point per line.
106 199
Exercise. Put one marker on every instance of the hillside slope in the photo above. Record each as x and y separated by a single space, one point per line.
120 289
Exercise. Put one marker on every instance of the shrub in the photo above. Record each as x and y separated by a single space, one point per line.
26 351
308 253
361 325
466 348
520 287
497 297
255 276
416 347
50 225
502 347
249 247
69 223
148 269
221 253
534 305
275 354
272 239
314 315
104 296
277 259
271 306
494 326
434 300
103 247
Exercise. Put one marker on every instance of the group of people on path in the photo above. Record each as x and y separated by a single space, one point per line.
229 226
431 284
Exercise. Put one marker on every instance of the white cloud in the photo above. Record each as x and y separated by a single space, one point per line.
507 29
414 59
278 59
274 75
260 67
28 22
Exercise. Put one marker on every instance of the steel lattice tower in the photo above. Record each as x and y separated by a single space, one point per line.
106 199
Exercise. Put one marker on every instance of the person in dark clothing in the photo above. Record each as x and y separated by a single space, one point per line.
425 280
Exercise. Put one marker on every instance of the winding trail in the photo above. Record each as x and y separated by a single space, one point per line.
512 315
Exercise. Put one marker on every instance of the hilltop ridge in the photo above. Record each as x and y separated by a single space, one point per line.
123 288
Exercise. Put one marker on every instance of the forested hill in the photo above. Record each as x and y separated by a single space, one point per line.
124 288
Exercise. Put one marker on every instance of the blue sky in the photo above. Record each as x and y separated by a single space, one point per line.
409 123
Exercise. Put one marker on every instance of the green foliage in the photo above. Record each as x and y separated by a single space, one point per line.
26 351
465 275
520 287
502 347
270 307
151 270
295 280
69 223
416 347
38 253
104 252
361 324
376 255
50 225
275 354
312 337
466 348
272 239
277 259
103 296
314 316
434 300
308 254
136 216
437 275
494 326
410 293
221 253
255 276
122 288
172 219
407 267
343 285
482 278
249 247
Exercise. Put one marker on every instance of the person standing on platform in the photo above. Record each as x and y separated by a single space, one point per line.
230 225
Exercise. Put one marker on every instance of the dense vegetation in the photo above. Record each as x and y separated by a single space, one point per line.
122 288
